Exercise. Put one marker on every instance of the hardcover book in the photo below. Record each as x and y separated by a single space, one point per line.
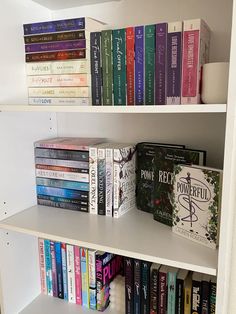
139 65
107 67
130 65
165 160
196 203
150 51
96 69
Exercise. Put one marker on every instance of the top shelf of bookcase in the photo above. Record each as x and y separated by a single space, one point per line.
200 108
61 4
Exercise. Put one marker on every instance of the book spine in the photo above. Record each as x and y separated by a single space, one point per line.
54 270
61 168
78 287
55 80
99 280
84 276
145 290
101 181
64 205
93 180
52 92
59 101
107 67
161 41
96 70
61 154
119 66
72 185
116 184
154 291
54 46
62 163
130 65
70 273
70 176
196 297
162 293
205 302
47 38
56 55
50 191
149 64
57 247
212 298
64 271
139 65
48 267
179 308
54 26
42 266
137 286
63 200
171 295
129 286
58 67
109 182
174 63
187 300
92 279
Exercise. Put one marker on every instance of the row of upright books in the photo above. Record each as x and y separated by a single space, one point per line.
159 289
77 275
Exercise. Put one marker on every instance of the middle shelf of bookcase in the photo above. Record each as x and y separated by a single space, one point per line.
135 234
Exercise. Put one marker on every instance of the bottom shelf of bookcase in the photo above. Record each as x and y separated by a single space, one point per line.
51 305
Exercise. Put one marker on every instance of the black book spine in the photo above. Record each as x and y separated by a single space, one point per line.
212 297
101 181
179 308
62 154
96 70
137 286
129 286
63 200
205 297
145 291
154 291
196 297
62 205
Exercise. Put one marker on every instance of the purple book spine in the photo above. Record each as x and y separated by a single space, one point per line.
174 52
54 46
54 26
139 65
161 41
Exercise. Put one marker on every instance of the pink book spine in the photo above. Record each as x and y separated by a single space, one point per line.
77 275
59 80
42 267
54 270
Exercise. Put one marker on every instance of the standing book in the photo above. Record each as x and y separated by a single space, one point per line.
48 266
171 295
84 276
54 270
107 67
78 287
145 287
181 277
42 266
154 272
64 271
196 293
60 287
162 299
188 294
150 51
212 296
130 65
137 286
129 285
71 273
139 65
92 279
96 69
205 303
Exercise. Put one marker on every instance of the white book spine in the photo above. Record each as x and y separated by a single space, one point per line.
70 273
109 181
92 268
47 101
116 183
57 92
69 176
93 180
42 266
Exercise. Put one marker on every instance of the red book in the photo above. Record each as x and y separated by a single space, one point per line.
130 65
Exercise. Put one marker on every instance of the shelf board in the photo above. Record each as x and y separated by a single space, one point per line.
200 108
135 234
61 4
46 304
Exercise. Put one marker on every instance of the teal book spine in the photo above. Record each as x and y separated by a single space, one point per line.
119 66
149 64
171 283
107 67
48 266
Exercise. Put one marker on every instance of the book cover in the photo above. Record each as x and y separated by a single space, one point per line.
107 67
196 293
92 279
60 286
162 299
129 285
42 266
161 47
154 272
181 277
56 55
72 185
96 69
145 289
124 179
130 65
62 154
150 52
119 66
54 270
65 205
50 191
205 302
137 286
165 160
83 101
109 182
48 266
62 36
56 80
188 294
84 276
54 46
139 65
64 271
101 181
196 44
196 203
71 273
78 288
212 296
52 92
174 63
171 294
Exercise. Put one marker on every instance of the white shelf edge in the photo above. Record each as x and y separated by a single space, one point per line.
199 108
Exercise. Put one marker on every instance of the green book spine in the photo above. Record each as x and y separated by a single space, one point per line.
149 64
119 66
107 68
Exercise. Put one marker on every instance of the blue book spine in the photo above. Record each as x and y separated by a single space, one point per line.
57 247
51 191
64 271
171 283
84 276
137 286
54 26
139 65
96 70
63 184
48 266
